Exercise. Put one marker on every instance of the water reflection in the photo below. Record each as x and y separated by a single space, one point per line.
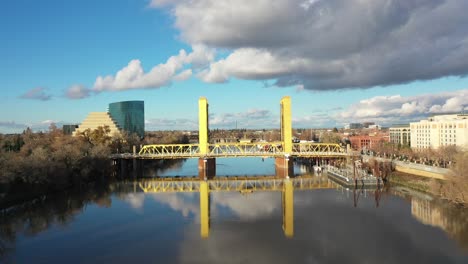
243 186
436 213
301 220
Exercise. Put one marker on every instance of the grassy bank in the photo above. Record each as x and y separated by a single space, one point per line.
411 181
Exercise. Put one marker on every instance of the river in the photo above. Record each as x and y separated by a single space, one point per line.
119 223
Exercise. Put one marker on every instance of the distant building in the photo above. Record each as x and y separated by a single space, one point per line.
441 130
368 124
400 135
361 142
97 119
373 126
128 116
69 129
354 126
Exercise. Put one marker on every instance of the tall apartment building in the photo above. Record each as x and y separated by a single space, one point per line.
400 134
128 116
442 130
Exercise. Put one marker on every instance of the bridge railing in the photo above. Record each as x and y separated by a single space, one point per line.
271 149
314 149
176 150
246 149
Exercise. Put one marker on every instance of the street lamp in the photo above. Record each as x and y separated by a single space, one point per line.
204 167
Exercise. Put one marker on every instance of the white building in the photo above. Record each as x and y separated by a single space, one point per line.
400 135
442 130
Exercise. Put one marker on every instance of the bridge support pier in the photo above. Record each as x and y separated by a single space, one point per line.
284 167
206 168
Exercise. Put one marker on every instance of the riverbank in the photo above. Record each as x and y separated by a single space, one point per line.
414 182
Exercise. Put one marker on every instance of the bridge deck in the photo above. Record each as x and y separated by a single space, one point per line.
259 149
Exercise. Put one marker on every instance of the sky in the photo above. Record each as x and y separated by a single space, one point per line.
340 61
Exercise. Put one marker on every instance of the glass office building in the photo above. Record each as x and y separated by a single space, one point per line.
129 116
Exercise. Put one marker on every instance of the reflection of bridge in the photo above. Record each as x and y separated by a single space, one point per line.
229 184
243 185
283 151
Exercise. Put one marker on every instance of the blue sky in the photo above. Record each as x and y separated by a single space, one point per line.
340 61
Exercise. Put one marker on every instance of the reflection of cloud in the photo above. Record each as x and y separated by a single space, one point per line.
328 230
136 200
185 203
253 206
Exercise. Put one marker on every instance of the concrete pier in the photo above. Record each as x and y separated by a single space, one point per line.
206 168
284 167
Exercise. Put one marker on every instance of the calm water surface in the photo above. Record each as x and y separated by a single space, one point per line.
119 223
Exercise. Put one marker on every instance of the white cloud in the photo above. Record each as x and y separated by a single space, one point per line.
183 75
252 118
171 124
14 127
77 91
38 93
133 75
396 108
323 45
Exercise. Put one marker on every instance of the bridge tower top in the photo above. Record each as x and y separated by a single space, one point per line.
286 124
203 125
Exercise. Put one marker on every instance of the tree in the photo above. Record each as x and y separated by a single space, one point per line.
100 135
455 188
330 137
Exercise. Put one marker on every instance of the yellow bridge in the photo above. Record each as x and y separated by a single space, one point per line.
204 149
283 151
260 149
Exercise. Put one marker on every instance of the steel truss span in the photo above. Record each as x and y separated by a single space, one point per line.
260 149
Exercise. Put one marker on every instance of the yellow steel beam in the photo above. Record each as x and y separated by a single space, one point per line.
259 149
286 124
178 150
203 125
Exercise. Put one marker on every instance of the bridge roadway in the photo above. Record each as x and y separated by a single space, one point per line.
259 149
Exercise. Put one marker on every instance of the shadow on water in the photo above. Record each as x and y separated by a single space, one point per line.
37 215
